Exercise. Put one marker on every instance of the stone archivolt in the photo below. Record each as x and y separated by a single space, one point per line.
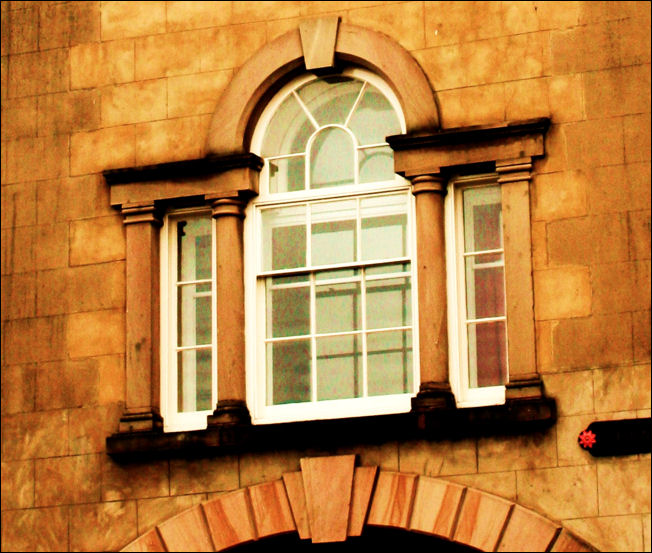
330 499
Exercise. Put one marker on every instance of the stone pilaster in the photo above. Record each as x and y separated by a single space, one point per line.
142 413
231 389
514 178
434 390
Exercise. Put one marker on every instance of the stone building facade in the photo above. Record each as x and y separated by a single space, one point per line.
111 110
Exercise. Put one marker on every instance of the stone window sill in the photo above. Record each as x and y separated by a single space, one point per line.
516 416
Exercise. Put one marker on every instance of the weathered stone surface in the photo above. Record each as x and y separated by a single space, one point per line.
97 240
134 102
438 458
38 73
130 19
611 533
525 452
101 63
592 341
203 475
624 487
92 152
562 293
152 512
102 526
559 195
134 481
17 485
67 480
95 333
561 493
573 391
30 159
35 529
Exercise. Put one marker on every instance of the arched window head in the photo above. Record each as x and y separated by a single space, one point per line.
321 132
329 244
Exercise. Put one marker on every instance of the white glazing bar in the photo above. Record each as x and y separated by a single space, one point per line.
305 109
363 308
202 281
482 252
313 340
199 346
334 334
335 266
486 320
355 104
375 145
285 156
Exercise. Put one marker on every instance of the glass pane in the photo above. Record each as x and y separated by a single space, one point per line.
337 307
284 238
288 130
485 288
194 375
194 248
194 316
339 366
376 164
330 99
289 310
287 175
331 159
389 362
333 237
374 118
384 227
388 303
289 362
336 273
487 354
482 219
385 269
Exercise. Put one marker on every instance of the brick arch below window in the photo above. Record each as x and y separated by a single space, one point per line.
330 500
234 114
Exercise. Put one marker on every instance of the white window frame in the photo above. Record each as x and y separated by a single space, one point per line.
465 394
173 419
256 377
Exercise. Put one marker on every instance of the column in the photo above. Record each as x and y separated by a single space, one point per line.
231 391
434 391
514 177
142 410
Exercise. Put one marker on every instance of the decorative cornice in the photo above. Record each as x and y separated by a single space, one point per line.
469 135
208 165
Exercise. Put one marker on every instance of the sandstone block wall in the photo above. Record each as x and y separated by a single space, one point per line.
89 86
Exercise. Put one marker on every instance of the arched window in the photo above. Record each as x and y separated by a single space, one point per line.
329 245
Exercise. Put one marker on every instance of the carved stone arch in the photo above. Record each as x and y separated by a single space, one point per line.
330 500
283 57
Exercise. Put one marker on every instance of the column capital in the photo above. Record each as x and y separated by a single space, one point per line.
430 182
141 213
514 170
222 207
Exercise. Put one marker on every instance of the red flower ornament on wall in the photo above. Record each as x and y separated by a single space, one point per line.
586 439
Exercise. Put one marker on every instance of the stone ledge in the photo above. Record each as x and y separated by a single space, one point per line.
516 416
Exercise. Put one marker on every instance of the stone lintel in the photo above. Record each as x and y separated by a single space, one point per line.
429 153
215 176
